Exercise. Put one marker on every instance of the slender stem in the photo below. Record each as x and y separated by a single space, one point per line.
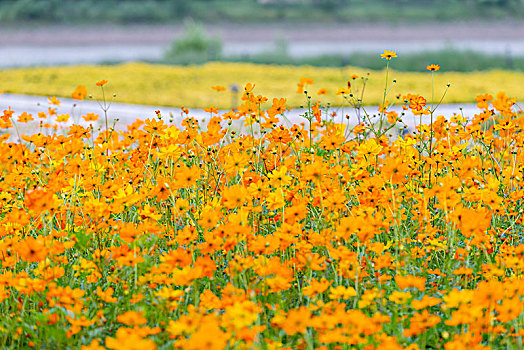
17 131
431 126
383 101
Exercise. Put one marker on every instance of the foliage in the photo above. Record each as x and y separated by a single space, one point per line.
157 11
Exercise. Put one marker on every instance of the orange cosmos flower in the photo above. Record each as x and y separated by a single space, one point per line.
279 107
249 87
101 83
411 281
129 339
25 117
317 113
132 318
218 88
153 126
316 287
90 117
211 109
509 309
54 101
32 250
260 99
306 81
39 200
482 101
95 345
433 67
234 196
107 296
186 177
209 219
417 102
80 93
392 117
8 113
77 325
209 335
280 135
420 322
426 301
297 321
302 83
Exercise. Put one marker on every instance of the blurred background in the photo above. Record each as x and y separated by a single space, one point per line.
465 35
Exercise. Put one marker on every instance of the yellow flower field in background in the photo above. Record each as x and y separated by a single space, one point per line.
190 86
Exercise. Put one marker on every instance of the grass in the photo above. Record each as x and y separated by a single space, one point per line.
190 85
452 59
463 61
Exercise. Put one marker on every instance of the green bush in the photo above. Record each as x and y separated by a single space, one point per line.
195 46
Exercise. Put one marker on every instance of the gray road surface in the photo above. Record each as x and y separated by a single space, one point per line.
127 113
22 46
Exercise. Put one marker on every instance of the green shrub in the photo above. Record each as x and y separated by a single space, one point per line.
195 46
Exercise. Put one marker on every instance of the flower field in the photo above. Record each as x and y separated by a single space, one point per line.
327 234
163 85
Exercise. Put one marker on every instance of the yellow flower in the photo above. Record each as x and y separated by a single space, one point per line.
241 314
389 54
342 91
63 117
342 292
400 297
275 200
279 178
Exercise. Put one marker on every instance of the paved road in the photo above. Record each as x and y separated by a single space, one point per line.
127 113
